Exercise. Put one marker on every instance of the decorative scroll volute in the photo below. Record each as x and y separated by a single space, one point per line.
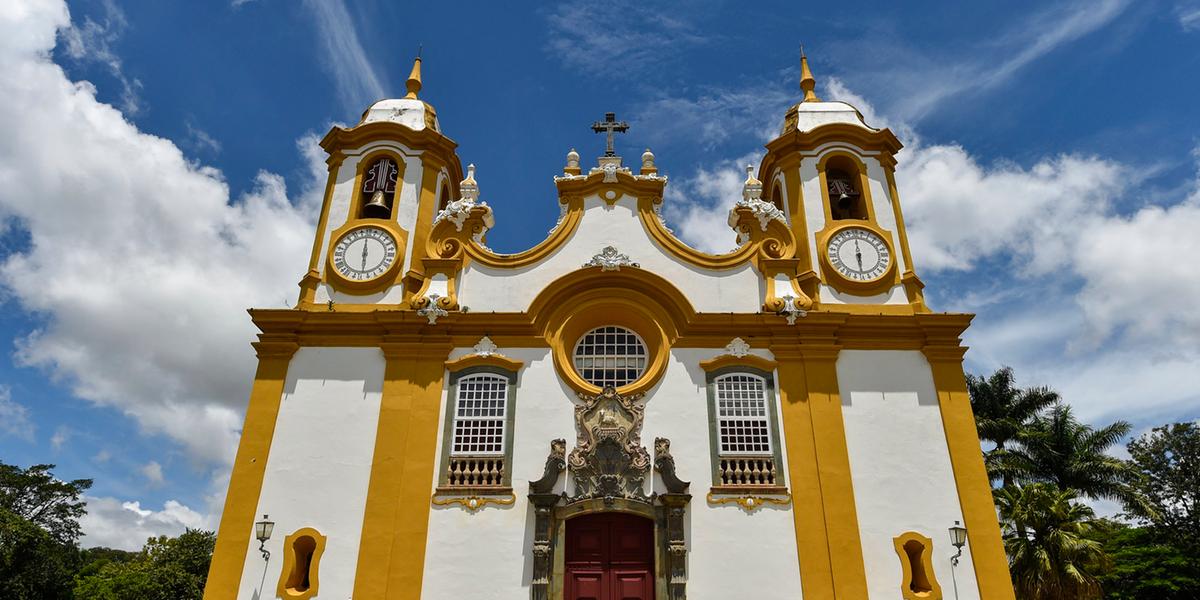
460 225
609 461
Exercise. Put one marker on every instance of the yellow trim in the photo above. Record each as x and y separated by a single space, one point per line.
899 542
391 557
865 138
729 360
912 284
750 502
474 503
364 162
308 285
490 360
974 489
382 282
826 520
289 563
600 311
864 185
245 482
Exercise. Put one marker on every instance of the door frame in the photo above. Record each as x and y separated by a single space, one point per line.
656 513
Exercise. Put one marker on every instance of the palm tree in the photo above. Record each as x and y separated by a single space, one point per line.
1046 536
1003 411
1056 448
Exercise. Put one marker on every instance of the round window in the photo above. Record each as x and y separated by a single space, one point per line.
610 356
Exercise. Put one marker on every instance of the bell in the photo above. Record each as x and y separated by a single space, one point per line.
377 207
845 202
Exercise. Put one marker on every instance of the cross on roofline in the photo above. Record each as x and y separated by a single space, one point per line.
610 125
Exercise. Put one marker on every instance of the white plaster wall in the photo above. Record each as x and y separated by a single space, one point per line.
730 290
320 465
724 541
900 466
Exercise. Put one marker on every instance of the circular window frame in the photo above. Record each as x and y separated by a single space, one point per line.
645 355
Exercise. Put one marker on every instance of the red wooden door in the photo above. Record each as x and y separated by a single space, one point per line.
610 556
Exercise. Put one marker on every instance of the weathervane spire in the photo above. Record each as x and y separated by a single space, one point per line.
807 82
414 78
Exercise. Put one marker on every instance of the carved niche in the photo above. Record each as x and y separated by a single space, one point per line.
609 461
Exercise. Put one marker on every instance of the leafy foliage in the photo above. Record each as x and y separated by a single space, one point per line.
1145 566
33 564
1003 412
1167 461
1047 537
34 494
165 569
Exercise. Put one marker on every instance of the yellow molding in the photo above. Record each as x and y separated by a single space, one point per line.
249 467
364 162
864 184
729 360
436 145
750 502
899 542
876 140
391 558
474 502
882 284
383 281
826 519
289 563
970 476
490 360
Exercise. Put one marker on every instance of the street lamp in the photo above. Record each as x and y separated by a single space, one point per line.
263 529
958 537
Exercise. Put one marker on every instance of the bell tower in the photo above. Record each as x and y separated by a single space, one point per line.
389 176
833 176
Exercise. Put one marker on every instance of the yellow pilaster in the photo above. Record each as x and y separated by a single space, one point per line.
391 557
245 482
826 520
970 476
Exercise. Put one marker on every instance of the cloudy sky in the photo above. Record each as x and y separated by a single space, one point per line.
159 174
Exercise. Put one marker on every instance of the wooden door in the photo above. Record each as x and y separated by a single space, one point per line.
610 556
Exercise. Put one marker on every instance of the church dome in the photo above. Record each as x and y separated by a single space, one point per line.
409 111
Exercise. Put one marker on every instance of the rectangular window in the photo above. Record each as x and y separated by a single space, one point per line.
745 444
477 443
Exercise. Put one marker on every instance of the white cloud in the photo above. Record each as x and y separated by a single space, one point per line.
14 417
61 435
715 116
126 525
1188 12
93 41
633 37
698 206
356 80
102 456
201 141
153 473
140 265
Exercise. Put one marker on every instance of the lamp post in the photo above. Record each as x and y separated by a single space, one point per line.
958 537
262 530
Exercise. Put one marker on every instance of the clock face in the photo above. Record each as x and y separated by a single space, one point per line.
859 254
364 253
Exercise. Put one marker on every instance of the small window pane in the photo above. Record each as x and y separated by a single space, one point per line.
743 423
610 356
479 415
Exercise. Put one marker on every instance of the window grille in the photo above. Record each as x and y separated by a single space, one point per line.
479 416
610 356
743 424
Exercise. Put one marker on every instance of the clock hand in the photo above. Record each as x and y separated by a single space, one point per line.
858 255
364 257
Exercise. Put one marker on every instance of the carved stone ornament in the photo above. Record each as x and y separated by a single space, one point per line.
752 191
486 347
665 463
609 461
609 259
790 309
555 463
432 311
737 347
457 212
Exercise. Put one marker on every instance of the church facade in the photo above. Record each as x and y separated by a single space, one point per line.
610 414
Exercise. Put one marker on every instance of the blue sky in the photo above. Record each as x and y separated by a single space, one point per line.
159 174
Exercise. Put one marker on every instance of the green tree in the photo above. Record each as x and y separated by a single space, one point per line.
165 569
36 495
1056 448
1167 461
1144 565
1046 536
1003 412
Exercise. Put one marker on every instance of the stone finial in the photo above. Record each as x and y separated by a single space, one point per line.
752 189
468 189
807 83
648 163
414 80
572 167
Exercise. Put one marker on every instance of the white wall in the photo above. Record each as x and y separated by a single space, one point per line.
900 466
727 547
731 290
320 464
